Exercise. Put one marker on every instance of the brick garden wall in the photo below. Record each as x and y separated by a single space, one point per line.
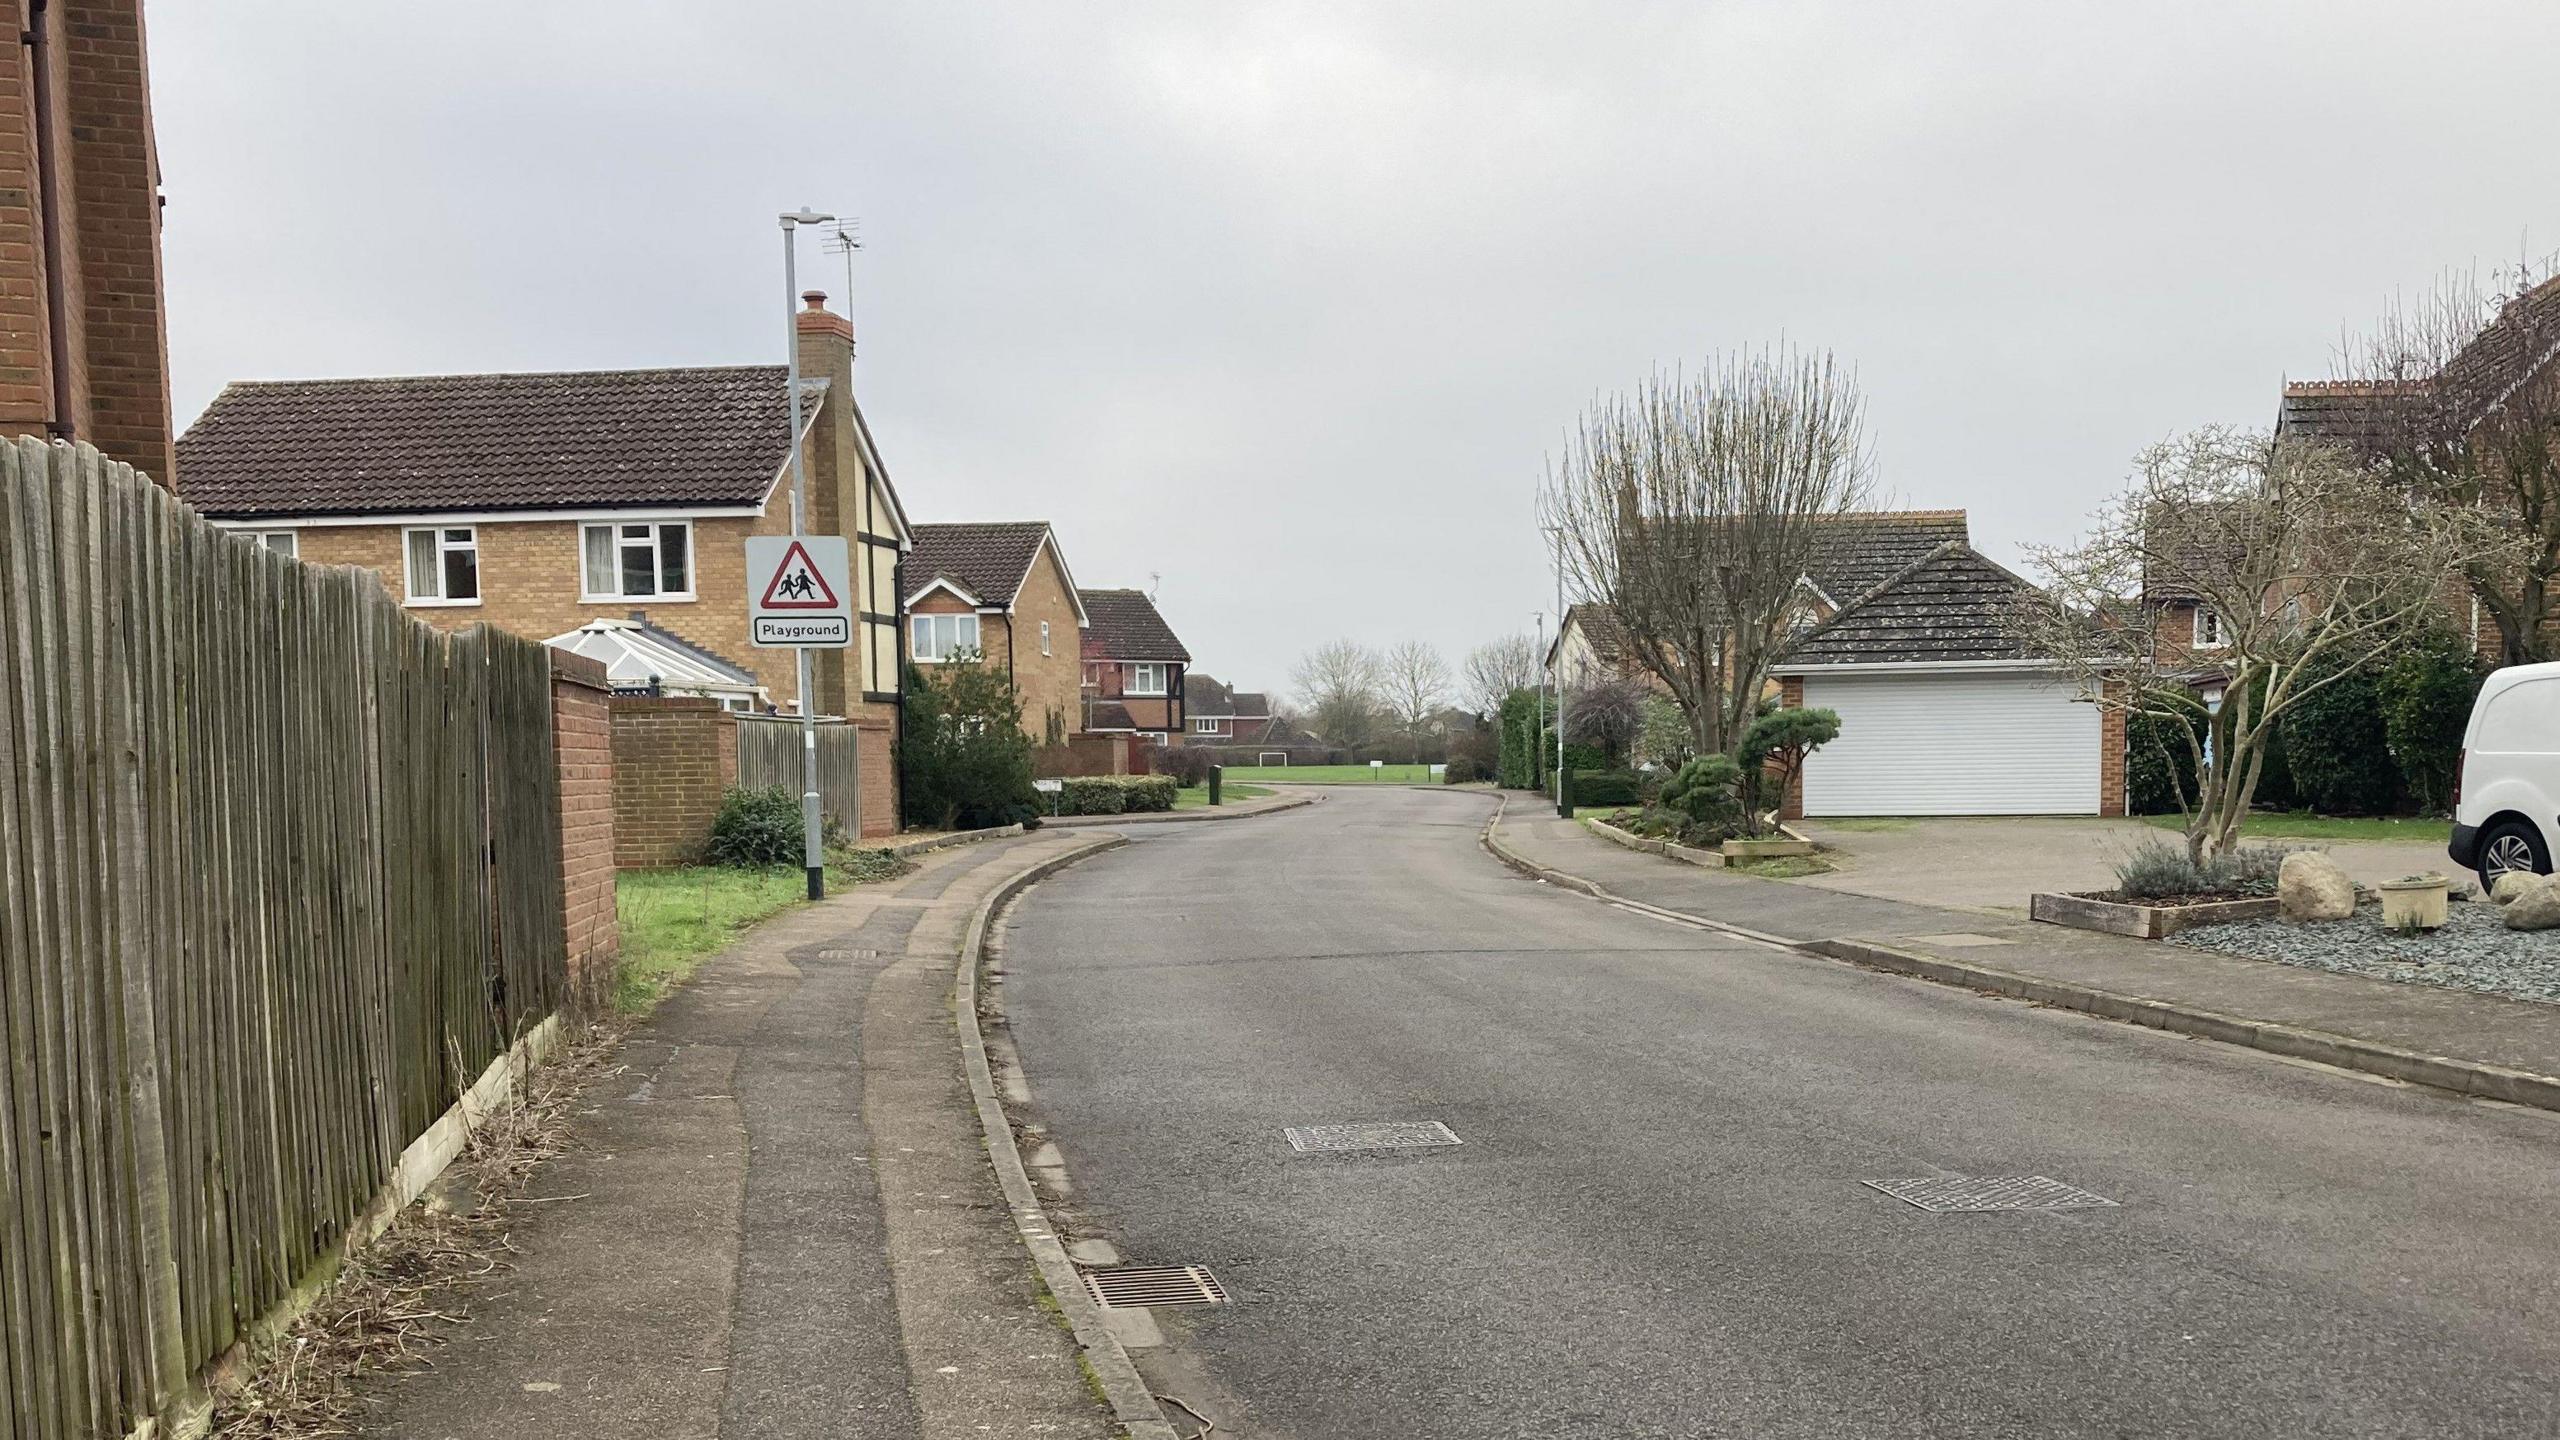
672 758
582 738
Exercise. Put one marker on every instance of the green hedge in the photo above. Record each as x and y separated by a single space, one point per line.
1607 787
1519 768
2337 750
1115 794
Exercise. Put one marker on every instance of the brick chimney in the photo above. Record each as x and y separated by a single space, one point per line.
817 319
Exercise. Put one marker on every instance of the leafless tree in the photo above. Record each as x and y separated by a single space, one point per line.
1695 504
2312 564
1338 686
1608 715
2457 396
1498 667
1414 682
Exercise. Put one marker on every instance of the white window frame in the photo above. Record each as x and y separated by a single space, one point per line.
590 593
2207 623
287 543
1207 725
1131 685
915 640
1044 637
445 545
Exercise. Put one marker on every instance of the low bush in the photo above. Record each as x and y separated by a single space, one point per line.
1607 787
1186 766
1699 805
756 828
2160 870
1464 770
1116 794
964 762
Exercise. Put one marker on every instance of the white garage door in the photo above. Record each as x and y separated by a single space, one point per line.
1953 743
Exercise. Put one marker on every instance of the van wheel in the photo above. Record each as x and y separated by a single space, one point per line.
2511 845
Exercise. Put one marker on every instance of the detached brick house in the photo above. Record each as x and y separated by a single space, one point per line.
1133 668
1002 590
1216 715
543 503
84 345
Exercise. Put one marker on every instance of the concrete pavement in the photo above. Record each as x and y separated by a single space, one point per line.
1656 1226
778 1220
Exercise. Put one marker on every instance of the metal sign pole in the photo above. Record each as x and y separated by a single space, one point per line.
812 841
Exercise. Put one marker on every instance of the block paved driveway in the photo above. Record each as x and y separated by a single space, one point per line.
1996 862
1656 1226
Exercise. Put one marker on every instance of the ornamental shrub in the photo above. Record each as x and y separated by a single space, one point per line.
756 828
964 762
1187 765
1607 787
1463 770
2426 694
2336 748
1774 751
1116 794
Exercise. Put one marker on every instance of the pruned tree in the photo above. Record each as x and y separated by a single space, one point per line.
1338 685
2312 564
1695 504
1496 668
2456 395
1607 714
1414 683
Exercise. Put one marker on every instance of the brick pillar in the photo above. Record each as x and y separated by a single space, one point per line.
1791 697
582 741
115 175
2111 781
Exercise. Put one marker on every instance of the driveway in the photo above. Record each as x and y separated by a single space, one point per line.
1656 1227
1995 862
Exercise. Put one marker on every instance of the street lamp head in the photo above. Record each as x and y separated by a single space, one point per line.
804 216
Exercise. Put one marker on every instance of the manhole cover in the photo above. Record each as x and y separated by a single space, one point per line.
1382 1135
1132 1287
1950 1194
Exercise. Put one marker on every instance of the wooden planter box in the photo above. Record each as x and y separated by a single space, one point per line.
1765 849
2143 922
1712 859
1627 838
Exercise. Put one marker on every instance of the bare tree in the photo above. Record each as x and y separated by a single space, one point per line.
1608 715
1414 682
1695 504
1338 692
2457 396
1498 667
2312 564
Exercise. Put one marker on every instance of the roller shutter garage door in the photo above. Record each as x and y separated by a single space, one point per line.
1953 743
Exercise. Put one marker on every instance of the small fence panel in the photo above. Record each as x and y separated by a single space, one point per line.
769 756
282 877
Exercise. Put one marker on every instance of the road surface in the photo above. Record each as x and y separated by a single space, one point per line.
1656 1224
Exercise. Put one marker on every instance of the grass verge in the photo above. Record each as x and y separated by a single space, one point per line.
673 920
2302 825
1336 774
1196 797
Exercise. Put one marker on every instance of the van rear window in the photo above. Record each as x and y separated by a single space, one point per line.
2522 720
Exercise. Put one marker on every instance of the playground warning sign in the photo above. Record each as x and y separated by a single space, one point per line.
801 591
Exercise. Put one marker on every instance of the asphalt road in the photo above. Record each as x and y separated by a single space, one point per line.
1656 1226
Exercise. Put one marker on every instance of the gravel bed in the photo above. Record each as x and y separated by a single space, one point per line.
2474 951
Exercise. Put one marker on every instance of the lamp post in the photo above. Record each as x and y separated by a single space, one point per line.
1556 670
812 840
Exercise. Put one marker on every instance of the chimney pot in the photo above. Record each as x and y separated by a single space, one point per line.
814 299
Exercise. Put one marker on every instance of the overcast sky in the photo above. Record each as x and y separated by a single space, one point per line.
1288 302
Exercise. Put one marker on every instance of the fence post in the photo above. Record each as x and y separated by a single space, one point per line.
1217 773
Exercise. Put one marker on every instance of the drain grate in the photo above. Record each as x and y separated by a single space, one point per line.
1381 1135
1954 1194
1132 1287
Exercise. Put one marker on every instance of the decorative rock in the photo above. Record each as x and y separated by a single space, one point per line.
2515 883
2537 908
2310 886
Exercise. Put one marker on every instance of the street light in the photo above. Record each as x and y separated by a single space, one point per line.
812 841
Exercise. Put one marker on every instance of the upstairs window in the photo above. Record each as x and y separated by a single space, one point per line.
283 542
444 566
1207 727
1044 637
650 560
1146 679
939 637
2208 628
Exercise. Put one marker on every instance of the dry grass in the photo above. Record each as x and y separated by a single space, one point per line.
391 1304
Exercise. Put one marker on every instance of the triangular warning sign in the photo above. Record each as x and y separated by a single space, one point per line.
797 585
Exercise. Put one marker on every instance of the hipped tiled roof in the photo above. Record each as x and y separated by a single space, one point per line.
711 436
1855 553
1124 625
988 559
1951 605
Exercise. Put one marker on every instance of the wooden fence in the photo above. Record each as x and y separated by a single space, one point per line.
769 755
282 877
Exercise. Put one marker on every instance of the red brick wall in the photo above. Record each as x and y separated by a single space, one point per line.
1791 696
876 757
112 335
672 759
582 738
2111 756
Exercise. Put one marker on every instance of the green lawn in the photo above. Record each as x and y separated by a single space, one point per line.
2301 825
673 920
1196 797
1334 774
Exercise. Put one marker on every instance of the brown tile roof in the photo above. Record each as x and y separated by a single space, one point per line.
1207 698
2362 414
1124 625
425 443
988 559
1856 553
1601 630
1950 605
1109 715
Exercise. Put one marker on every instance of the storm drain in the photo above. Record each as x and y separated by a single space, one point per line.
1952 1194
1382 1135
1132 1287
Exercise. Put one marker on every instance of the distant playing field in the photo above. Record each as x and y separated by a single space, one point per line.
1335 774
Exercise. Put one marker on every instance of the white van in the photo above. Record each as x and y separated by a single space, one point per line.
2506 796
